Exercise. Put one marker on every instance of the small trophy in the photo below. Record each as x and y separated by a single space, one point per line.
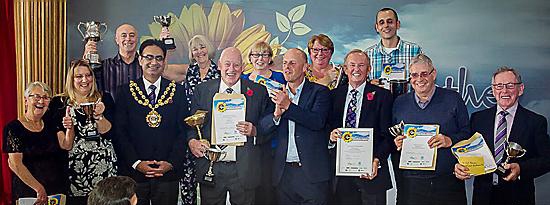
513 150
397 130
88 129
92 33
213 154
165 22
196 120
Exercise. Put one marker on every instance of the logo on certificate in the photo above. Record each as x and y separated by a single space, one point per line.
387 69
221 107
347 137
411 132
261 82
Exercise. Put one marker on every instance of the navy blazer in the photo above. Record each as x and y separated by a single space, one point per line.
135 140
528 130
375 113
310 116
257 106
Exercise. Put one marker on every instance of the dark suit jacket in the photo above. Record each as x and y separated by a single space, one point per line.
248 156
375 113
135 140
310 116
529 131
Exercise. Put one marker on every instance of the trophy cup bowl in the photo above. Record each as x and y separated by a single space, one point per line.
197 120
89 130
165 21
398 87
513 150
213 154
397 129
92 32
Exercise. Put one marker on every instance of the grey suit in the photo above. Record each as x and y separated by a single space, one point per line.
242 174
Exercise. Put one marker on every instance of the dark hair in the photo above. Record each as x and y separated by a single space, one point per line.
115 190
152 42
387 9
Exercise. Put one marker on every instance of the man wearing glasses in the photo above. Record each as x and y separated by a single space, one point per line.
429 104
150 132
506 122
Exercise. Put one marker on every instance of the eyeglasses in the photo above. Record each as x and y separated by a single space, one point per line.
509 86
263 55
37 97
80 77
151 57
317 50
421 74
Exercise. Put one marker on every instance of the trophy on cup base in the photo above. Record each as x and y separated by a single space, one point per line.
91 32
513 150
397 129
196 120
89 129
213 154
165 22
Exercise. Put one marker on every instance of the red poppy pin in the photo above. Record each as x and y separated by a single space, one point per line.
249 92
370 96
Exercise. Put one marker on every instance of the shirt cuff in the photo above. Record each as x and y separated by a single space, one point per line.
136 163
276 121
331 144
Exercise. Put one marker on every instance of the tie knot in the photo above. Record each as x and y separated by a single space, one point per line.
503 113
229 90
354 92
152 87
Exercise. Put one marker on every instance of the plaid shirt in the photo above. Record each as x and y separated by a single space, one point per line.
403 54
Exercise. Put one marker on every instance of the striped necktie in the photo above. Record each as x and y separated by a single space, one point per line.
501 136
152 96
351 116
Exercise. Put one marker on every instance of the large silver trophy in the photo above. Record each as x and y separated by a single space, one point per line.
88 127
91 31
165 22
513 150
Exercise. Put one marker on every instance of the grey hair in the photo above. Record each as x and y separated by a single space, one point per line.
35 84
421 59
503 69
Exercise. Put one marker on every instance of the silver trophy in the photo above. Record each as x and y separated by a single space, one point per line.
165 21
87 127
397 130
513 150
213 154
92 32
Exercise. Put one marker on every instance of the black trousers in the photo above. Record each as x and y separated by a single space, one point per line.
157 192
349 191
295 188
226 180
439 190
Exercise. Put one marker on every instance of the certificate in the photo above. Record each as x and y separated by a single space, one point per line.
271 85
415 152
354 152
227 110
475 154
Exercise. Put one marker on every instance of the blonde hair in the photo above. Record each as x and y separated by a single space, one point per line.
322 39
200 40
69 91
261 47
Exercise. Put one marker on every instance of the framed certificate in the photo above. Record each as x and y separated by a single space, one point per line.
354 152
415 152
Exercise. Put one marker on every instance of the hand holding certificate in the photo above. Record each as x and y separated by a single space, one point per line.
354 152
227 110
474 154
416 152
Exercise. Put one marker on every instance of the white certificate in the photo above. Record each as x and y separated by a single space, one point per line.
475 154
415 152
354 152
227 110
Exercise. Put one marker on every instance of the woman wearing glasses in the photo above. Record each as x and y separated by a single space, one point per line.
322 70
91 153
34 154
261 59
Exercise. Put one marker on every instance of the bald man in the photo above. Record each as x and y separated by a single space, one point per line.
238 171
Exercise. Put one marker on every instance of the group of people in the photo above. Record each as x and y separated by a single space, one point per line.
288 157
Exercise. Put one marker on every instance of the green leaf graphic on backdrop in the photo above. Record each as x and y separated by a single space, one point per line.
297 13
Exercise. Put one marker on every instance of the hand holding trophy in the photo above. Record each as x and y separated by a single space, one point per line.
91 32
165 22
513 150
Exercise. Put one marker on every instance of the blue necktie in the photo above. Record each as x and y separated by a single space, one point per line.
152 96
500 138
351 116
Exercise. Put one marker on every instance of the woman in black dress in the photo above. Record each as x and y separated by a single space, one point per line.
34 155
91 153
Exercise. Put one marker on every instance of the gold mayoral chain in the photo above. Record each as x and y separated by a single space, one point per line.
153 118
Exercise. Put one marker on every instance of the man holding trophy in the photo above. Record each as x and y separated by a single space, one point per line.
239 105
519 141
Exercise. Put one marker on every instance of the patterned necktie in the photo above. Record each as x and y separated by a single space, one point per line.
229 90
500 137
152 96
351 116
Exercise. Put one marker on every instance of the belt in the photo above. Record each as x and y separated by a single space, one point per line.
294 164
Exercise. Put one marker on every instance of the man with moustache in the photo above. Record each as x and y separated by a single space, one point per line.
236 173
508 121
391 49
150 132
429 104
362 105
121 68
300 168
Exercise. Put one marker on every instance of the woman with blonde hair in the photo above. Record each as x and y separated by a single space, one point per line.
83 116
322 70
261 59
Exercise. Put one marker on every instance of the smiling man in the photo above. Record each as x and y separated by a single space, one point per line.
429 104
391 49
508 121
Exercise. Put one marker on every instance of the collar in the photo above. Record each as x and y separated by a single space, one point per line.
298 89
511 110
399 45
417 99
146 83
360 89
236 88
118 58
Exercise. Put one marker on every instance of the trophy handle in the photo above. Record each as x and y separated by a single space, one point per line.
80 30
104 26
523 153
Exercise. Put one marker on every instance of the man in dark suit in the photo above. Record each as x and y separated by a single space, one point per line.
362 105
506 122
300 169
150 131
237 171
